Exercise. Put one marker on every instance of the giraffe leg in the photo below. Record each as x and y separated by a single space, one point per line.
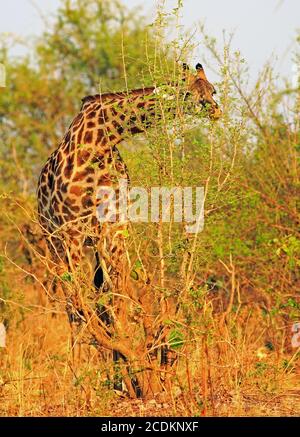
100 285
98 273
112 258
67 255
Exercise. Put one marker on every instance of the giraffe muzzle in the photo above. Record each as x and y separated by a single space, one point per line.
215 112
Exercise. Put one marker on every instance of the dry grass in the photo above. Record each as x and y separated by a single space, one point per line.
226 372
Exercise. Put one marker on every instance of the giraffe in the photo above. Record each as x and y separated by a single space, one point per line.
86 159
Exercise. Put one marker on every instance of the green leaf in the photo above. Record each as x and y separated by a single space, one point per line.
125 233
176 339
138 264
67 277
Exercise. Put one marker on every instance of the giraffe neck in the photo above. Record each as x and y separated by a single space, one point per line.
105 120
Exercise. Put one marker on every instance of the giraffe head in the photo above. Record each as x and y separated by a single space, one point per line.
201 91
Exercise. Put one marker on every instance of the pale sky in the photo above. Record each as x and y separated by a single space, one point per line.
264 29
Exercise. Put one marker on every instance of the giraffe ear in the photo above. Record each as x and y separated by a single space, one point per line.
200 72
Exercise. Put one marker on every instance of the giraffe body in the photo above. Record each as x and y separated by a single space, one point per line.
86 159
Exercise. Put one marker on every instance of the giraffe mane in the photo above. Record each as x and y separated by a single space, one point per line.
117 95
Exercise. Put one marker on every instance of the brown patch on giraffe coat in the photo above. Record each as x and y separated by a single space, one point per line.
59 167
75 208
76 189
82 157
104 179
91 115
60 157
69 201
87 201
117 126
68 167
100 135
66 148
44 190
101 164
64 187
45 198
58 183
68 217
114 112
88 137
102 119
85 218
56 205
89 190
111 137
67 137
80 176
67 211
94 221
79 136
